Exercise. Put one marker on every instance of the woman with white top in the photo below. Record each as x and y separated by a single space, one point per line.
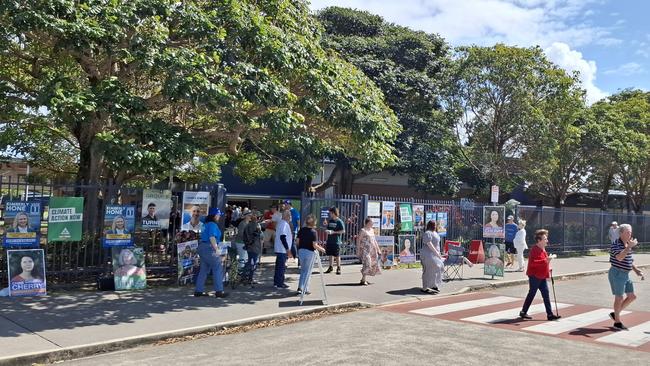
520 244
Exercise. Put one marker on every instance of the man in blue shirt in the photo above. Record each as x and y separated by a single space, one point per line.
510 233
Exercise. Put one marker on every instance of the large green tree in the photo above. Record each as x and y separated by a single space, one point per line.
622 125
142 86
407 66
504 98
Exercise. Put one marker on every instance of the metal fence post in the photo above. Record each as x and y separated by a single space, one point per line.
584 233
364 206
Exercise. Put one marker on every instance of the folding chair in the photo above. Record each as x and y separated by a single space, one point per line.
453 262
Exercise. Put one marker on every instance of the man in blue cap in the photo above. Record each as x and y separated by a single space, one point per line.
210 255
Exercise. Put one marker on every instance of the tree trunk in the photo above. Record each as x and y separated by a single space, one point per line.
347 178
90 165
604 194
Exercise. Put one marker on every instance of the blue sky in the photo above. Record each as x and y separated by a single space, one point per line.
607 41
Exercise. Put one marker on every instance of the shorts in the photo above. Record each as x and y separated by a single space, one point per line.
333 250
510 248
620 282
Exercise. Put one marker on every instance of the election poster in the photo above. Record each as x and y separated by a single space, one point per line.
441 224
406 217
374 208
129 271
188 262
406 248
26 269
156 206
388 215
418 216
493 265
119 225
386 251
65 217
430 216
493 223
195 207
376 225
22 224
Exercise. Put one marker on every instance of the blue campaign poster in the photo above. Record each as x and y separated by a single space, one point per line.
119 224
22 224
441 224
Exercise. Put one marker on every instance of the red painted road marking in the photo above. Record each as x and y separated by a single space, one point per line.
579 322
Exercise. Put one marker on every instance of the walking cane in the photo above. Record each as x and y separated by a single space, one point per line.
554 296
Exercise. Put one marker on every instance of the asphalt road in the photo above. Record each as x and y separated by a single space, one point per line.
377 337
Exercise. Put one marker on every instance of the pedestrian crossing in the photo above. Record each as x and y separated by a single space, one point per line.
578 322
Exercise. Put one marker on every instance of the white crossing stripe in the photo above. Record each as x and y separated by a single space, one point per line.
634 337
572 322
510 314
464 305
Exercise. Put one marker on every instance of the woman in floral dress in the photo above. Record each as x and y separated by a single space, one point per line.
368 251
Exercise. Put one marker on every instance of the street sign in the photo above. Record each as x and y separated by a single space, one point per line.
495 194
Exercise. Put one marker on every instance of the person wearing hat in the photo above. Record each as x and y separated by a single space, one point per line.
253 242
510 233
613 234
210 255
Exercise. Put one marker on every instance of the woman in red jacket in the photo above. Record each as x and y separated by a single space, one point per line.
538 271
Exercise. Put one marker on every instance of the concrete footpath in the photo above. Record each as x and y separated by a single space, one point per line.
66 325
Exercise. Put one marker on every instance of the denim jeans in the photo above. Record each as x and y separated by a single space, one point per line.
280 267
252 262
306 257
209 262
535 284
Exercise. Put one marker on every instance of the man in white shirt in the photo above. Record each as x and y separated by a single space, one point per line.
282 248
613 232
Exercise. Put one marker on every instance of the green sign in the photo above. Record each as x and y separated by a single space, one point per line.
64 219
406 216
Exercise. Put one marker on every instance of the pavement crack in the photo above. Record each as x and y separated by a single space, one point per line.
31 331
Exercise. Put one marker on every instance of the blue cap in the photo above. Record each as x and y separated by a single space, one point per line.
287 202
215 211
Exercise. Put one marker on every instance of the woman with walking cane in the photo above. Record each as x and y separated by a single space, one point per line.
538 271
307 243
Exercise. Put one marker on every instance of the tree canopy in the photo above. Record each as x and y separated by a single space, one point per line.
407 66
132 88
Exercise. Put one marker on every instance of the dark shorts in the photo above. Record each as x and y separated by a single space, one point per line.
333 250
510 248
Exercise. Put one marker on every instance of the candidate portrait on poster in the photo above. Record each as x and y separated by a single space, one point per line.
26 268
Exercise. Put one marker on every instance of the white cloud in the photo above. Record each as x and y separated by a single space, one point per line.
525 23
643 50
571 60
628 69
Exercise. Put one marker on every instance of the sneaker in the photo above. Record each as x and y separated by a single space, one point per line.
613 316
329 269
199 294
220 294
620 326
525 316
553 317
338 270
284 285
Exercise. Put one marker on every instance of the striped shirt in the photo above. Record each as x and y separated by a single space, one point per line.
626 263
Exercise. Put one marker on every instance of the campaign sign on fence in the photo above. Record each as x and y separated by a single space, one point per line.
386 250
493 221
441 224
406 216
129 271
387 215
374 208
65 218
119 224
22 223
195 206
188 262
418 216
376 225
26 269
430 216
406 248
156 206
